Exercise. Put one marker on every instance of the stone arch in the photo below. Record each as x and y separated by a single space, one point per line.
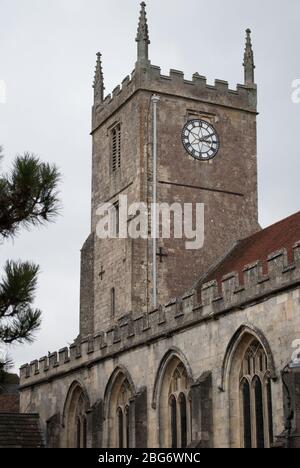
240 371
170 396
237 338
76 407
173 352
119 394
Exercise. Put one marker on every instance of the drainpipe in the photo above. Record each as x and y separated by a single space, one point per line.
155 99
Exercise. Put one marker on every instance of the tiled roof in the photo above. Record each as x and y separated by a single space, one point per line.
282 235
20 431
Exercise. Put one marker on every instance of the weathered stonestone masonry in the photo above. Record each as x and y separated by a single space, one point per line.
227 185
204 369
87 287
266 305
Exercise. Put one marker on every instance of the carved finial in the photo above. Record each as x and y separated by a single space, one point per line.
249 60
142 37
98 81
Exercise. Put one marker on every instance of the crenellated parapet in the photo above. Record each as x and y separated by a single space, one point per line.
207 302
149 78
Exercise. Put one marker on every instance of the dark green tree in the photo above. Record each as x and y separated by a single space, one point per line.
28 198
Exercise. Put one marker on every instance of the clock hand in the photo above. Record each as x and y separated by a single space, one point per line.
206 138
196 140
207 145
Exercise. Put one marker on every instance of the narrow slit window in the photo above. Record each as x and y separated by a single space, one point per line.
116 141
116 219
113 302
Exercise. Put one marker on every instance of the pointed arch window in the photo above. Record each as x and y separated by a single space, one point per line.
179 408
256 398
123 416
76 408
81 423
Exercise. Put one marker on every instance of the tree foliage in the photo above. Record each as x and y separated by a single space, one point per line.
18 319
28 198
28 195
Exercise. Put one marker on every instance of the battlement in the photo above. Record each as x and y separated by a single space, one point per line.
149 78
207 302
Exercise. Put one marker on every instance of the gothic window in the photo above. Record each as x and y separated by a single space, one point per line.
120 404
76 421
123 421
81 423
116 147
179 407
256 398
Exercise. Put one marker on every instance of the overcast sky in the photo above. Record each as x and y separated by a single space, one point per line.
47 59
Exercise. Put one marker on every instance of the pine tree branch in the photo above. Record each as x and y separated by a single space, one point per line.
28 195
18 321
22 328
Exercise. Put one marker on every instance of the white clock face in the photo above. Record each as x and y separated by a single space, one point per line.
200 140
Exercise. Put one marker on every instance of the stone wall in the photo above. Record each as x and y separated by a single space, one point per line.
227 186
199 327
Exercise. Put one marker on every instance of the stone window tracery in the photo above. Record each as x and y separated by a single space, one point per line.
256 398
120 405
76 418
179 407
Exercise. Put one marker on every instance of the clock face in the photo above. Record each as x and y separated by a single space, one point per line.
200 140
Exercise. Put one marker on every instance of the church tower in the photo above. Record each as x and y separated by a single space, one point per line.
191 143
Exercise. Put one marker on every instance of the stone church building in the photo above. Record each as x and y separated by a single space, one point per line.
203 364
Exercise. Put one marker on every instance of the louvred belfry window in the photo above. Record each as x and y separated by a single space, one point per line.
116 147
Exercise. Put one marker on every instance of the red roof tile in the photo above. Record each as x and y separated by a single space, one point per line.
259 246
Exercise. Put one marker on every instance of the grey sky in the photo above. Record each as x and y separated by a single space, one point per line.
47 59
